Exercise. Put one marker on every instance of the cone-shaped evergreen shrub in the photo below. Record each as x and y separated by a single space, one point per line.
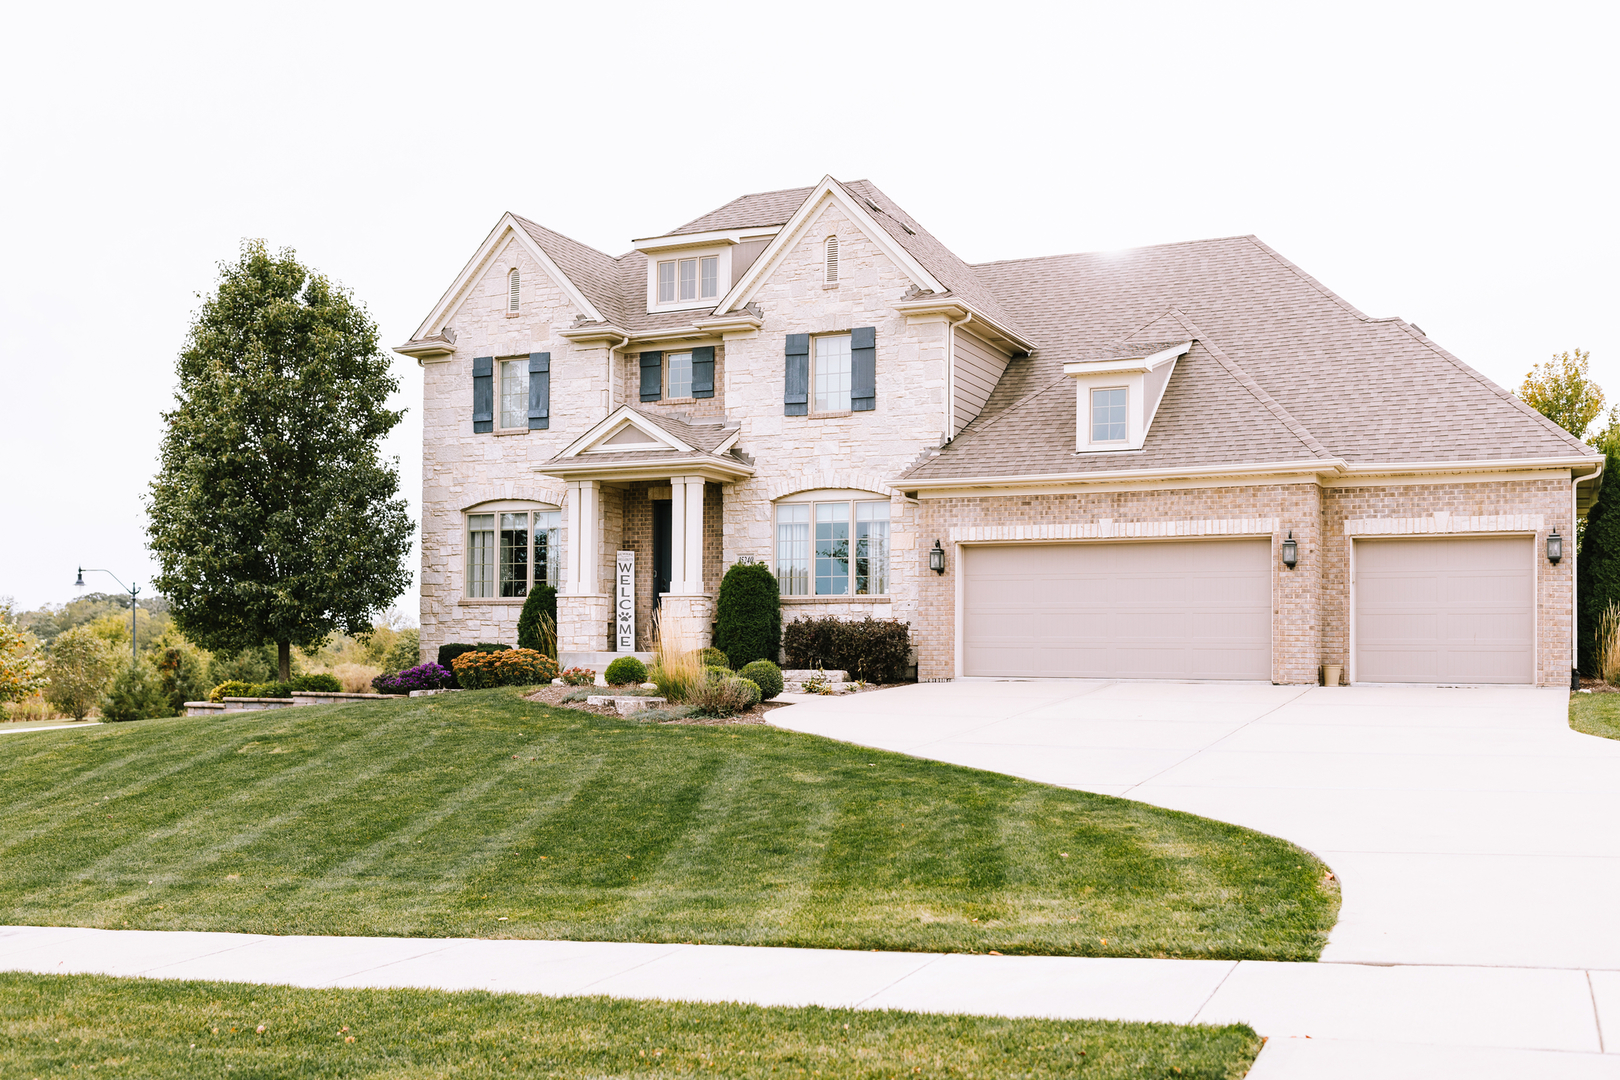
749 615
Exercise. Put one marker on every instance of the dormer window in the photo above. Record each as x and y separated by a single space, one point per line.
688 280
512 290
1108 414
830 268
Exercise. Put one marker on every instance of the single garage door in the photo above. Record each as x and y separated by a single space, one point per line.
1448 610
1197 609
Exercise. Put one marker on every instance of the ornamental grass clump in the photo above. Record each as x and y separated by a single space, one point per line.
677 662
725 696
428 676
508 667
1608 643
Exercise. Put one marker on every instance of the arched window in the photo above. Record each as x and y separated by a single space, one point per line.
512 289
833 543
832 260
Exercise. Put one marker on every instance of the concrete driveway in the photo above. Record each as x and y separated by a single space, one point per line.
1467 826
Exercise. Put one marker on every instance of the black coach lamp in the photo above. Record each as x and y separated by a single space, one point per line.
1290 551
1555 547
936 558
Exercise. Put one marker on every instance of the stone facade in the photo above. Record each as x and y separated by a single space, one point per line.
865 452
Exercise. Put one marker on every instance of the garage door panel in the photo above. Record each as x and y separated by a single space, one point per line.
1445 610
1177 609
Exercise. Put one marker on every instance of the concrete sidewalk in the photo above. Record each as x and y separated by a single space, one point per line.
1323 1020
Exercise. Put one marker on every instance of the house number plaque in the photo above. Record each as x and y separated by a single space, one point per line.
624 602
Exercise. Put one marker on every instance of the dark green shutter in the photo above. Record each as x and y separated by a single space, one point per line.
703 372
483 394
863 369
539 391
796 383
652 376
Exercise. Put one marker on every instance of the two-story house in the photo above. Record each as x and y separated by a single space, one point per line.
1185 461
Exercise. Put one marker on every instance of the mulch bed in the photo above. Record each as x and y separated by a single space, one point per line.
553 695
1598 686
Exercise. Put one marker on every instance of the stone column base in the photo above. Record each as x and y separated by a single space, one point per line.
694 613
582 622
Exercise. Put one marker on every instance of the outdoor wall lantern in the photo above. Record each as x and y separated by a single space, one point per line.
1555 547
936 558
1290 551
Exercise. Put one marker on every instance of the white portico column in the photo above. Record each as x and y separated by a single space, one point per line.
584 537
693 527
677 537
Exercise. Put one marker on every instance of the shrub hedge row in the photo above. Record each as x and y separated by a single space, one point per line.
871 650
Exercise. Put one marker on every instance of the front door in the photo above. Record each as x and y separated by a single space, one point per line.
661 563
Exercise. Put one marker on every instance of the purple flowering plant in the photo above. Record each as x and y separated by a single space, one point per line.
428 676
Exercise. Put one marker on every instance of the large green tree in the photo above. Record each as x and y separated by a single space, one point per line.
1563 392
273 516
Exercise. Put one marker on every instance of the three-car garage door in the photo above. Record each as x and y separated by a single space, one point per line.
1445 610
1197 609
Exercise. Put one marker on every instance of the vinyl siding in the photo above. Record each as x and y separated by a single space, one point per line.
978 366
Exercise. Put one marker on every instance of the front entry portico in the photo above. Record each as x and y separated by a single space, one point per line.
656 489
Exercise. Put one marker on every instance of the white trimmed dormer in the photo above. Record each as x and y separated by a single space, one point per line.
1117 396
694 270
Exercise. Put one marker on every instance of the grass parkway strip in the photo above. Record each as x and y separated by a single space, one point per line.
54 1025
482 815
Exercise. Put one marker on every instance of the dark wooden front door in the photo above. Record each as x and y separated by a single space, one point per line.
661 564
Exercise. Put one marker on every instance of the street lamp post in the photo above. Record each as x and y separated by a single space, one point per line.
134 653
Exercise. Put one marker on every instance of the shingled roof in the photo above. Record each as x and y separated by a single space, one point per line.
1368 391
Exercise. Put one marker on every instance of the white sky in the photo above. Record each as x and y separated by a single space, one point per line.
1452 164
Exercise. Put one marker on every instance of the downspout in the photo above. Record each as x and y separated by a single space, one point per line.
611 381
950 373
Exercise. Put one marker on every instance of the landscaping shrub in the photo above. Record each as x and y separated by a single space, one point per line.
625 670
321 683
749 614
232 688
356 678
448 654
579 676
871 650
537 625
428 676
713 657
405 652
136 694
183 675
711 672
504 666
726 696
766 675
80 666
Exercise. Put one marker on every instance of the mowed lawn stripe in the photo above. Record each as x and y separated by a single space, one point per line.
480 814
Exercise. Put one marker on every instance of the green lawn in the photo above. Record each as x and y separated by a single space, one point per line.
480 814
54 1025
1595 714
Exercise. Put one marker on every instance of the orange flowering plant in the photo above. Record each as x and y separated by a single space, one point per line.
509 667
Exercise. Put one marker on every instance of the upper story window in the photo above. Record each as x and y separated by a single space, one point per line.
832 544
830 267
512 291
830 376
511 551
515 394
680 374
687 280
1108 414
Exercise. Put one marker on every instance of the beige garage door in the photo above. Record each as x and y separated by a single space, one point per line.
1198 609
1445 611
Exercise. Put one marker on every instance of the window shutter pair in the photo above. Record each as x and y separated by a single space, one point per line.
703 372
863 369
483 394
652 376
862 374
796 385
539 391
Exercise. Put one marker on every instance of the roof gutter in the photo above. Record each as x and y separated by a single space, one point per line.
1314 466
953 306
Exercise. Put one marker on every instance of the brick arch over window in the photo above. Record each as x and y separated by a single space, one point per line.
519 491
832 479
